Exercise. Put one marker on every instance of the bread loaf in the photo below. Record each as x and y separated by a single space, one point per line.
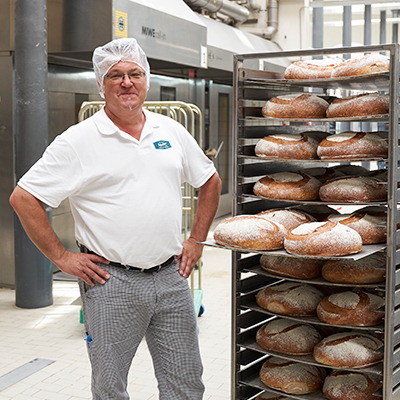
290 219
290 298
250 232
287 146
324 239
358 106
291 377
351 170
369 64
323 174
288 337
353 189
270 396
356 308
296 105
371 269
319 212
372 229
291 267
310 69
348 350
288 186
350 385
348 145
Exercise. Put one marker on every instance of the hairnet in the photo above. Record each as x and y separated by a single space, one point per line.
126 49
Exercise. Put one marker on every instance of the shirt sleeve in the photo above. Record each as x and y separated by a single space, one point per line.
56 175
198 167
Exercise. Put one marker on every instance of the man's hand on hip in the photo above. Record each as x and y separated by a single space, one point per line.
84 266
190 255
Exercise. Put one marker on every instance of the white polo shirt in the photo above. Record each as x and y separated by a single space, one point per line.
125 194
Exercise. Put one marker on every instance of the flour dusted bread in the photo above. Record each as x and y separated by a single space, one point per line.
359 105
291 377
288 337
295 105
351 385
369 64
290 219
323 239
288 186
371 269
287 146
291 267
316 69
290 298
348 145
250 232
348 350
372 228
356 308
353 189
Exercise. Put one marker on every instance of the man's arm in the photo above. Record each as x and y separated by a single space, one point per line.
33 217
207 206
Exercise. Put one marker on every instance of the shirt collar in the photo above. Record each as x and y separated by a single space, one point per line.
107 127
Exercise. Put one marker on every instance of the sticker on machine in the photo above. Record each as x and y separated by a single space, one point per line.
162 145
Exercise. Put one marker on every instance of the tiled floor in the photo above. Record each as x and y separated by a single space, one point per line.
55 333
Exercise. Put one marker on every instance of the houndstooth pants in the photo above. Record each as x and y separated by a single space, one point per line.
132 305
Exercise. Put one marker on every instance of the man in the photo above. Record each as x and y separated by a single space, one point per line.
122 171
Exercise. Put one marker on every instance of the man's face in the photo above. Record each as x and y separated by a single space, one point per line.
123 92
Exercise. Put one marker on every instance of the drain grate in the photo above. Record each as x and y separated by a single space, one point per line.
22 372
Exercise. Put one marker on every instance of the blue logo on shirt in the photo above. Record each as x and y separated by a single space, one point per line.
162 145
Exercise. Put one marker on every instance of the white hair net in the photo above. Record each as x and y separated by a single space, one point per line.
128 50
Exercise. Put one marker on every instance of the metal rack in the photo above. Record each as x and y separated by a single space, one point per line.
252 88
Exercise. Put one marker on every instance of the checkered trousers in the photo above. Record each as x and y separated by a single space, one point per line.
132 305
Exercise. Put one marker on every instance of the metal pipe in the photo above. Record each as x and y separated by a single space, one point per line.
225 7
318 28
367 24
33 271
382 26
395 27
347 29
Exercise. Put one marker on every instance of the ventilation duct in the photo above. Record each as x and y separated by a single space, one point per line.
225 7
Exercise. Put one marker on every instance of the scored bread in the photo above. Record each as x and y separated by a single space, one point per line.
369 64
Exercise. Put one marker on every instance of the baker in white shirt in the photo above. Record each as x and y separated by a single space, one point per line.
122 171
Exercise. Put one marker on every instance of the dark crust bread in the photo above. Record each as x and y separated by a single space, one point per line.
295 106
359 106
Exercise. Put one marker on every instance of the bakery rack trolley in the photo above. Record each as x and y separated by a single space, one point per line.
190 116
252 88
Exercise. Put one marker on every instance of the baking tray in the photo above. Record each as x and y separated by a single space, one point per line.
367 250
372 118
325 160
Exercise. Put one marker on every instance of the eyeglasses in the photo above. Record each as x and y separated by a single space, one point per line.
119 77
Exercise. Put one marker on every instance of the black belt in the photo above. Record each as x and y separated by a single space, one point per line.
150 270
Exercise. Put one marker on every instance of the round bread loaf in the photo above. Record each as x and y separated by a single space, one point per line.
324 239
291 267
356 308
296 105
323 174
348 145
318 211
371 269
369 64
290 298
359 105
270 396
287 146
353 189
250 232
310 69
291 377
288 337
288 186
372 229
381 174
348 170
349 385
290 219
348 350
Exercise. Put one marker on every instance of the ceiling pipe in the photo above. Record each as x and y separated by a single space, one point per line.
225 7
272 22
